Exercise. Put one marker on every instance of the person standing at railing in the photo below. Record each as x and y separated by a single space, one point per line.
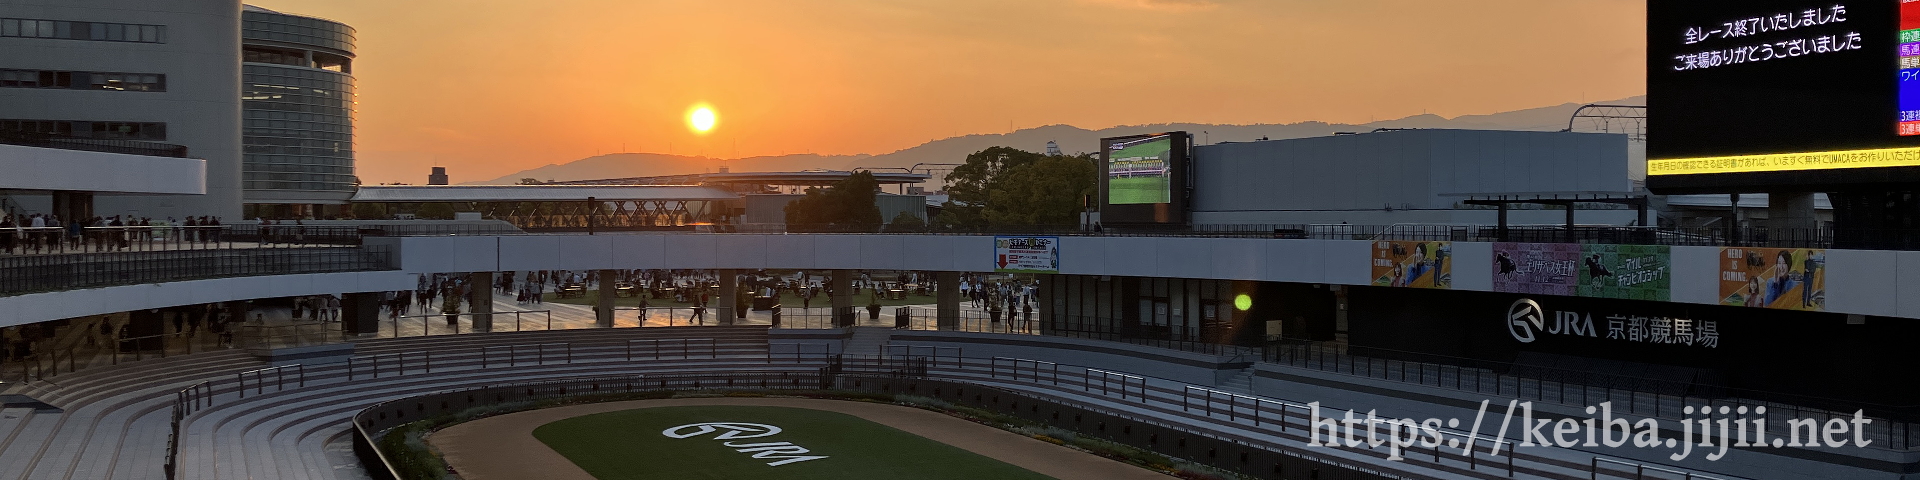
333 308
451 308
8 232
38 235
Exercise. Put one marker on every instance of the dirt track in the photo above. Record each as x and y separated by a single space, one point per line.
503 447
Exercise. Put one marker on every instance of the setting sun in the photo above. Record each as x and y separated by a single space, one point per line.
701 119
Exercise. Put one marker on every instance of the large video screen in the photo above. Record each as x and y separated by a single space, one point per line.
1138 170
1145 179
1758 95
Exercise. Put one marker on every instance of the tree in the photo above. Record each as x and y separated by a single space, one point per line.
971 183
845 206
1049 191
435 211
369 211
1009 186
906 222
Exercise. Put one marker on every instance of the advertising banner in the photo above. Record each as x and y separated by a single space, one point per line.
1026 254
1629 272
1413 264
1536 268
1782 278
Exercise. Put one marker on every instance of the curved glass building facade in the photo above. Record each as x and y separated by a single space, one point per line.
297 93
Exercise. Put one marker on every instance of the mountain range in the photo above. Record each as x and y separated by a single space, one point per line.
1071 139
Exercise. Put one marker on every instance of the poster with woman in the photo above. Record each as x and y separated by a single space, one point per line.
1413 264
1782 278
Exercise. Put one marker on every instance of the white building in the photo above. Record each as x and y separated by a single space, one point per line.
116 72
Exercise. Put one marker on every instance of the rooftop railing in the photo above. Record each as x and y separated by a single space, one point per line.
129 147
31 240
1865 239
45 273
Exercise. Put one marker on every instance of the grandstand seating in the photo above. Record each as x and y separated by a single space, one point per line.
291 422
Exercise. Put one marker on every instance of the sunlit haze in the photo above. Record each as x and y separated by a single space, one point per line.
490 87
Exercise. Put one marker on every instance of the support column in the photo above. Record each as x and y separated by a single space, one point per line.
1792 211
480 300
1502 219
603 306
360 313
1571 238
947 299
841 283
727 303
72 205
1733 220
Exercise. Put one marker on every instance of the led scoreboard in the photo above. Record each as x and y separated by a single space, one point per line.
1782 95
1909 67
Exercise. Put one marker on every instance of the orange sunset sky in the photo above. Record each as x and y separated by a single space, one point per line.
489 87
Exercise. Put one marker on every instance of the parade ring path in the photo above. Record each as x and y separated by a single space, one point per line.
503 447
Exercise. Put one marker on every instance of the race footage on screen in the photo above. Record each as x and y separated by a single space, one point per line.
1137 170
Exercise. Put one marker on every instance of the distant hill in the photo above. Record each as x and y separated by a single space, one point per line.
621 165
1070 138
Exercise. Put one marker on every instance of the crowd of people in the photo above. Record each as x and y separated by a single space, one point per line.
106 333
39 233
448 294
1006 296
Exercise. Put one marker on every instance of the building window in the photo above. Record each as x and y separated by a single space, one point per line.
96 31
252 54
85 129
118 81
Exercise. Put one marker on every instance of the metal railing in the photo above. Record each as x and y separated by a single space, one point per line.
450 323
1824 237
129 147
43 273
290 335
156 238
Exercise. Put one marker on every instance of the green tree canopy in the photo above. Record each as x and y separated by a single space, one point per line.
1009 186
370 211
1049 191
435 211
906 222
845 206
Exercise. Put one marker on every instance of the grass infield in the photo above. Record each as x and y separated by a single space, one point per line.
1138 190
630 445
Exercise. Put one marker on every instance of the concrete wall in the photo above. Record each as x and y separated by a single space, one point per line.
41 307
201 107
30 168
1867 282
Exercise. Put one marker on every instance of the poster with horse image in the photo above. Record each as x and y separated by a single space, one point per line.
1536 268
1413 264
1781 278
